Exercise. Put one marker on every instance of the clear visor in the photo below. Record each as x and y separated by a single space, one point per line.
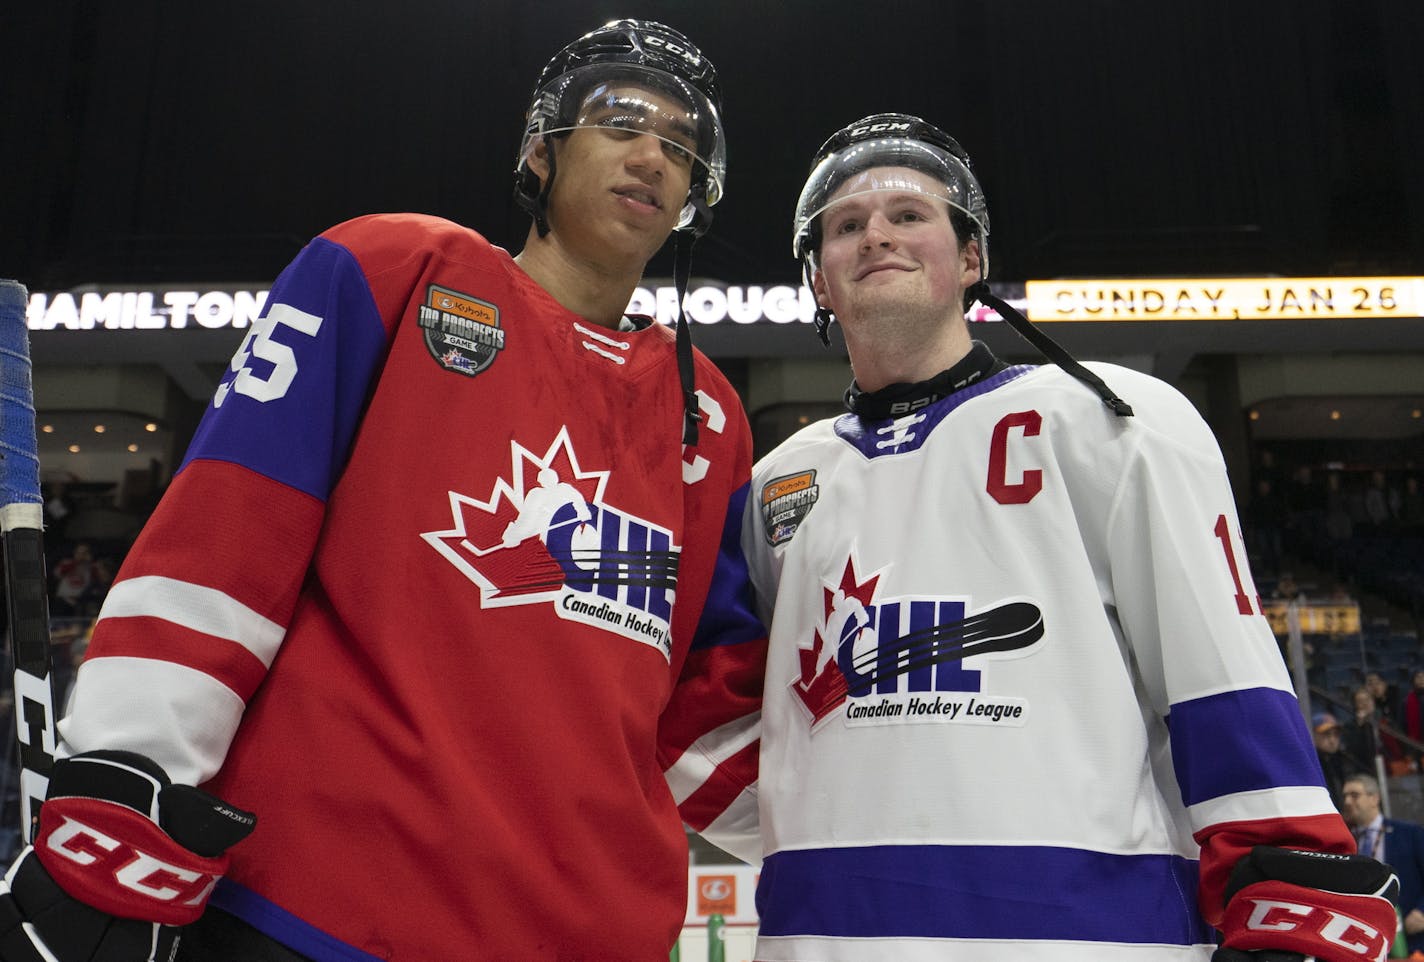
889 164
638 98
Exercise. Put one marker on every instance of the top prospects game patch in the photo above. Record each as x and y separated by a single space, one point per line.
461 332
785 502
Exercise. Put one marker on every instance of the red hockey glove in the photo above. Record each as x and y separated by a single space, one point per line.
1335 908
121 855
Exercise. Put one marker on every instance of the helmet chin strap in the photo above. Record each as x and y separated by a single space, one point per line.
1050 348
823 317
681 272
681 275
540 209
1046 345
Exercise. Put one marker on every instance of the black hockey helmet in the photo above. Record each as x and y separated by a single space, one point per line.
596 80
863 158
889 141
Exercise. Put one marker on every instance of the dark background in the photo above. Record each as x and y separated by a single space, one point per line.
157 140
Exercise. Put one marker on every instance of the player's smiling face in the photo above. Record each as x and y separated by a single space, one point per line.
883 247
619 188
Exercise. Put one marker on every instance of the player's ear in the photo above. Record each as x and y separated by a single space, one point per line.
969 263
538 159
818 287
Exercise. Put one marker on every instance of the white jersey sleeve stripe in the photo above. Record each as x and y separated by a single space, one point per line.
182 719
697 764
1301 801
196 607
736 830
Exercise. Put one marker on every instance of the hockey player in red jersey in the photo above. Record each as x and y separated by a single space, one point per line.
442 595
1055 723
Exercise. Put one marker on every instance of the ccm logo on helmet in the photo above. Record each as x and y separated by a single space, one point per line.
1271 915
672 48
877 128
135 870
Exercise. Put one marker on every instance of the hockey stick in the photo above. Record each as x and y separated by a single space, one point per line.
21 516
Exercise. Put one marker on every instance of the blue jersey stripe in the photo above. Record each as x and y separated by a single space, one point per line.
728 616
865 435
981 892
1241 741
283 926
294 414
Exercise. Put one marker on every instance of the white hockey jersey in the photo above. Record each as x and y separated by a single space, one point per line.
1019 693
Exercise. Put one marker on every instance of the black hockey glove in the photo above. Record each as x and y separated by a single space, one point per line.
1283 905
122 856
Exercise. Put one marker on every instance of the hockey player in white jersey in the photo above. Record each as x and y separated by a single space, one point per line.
1064 731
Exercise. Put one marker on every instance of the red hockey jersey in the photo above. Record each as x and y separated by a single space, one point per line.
430 573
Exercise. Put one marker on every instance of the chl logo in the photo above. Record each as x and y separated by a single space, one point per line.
546 536
868 645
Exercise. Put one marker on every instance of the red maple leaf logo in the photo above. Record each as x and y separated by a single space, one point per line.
822 685
510 566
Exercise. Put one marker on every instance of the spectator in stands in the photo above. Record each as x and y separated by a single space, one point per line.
1303 496
58 507
1362 736
1377 507
1387 700
1335 764
1359 735
1265 521
1266 468
1355 488
1340 594
1411 506
1286 588
1414 710
93 598
73 577
1338 523
1398 844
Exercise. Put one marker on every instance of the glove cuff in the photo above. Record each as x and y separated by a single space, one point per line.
117 860
1331 926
